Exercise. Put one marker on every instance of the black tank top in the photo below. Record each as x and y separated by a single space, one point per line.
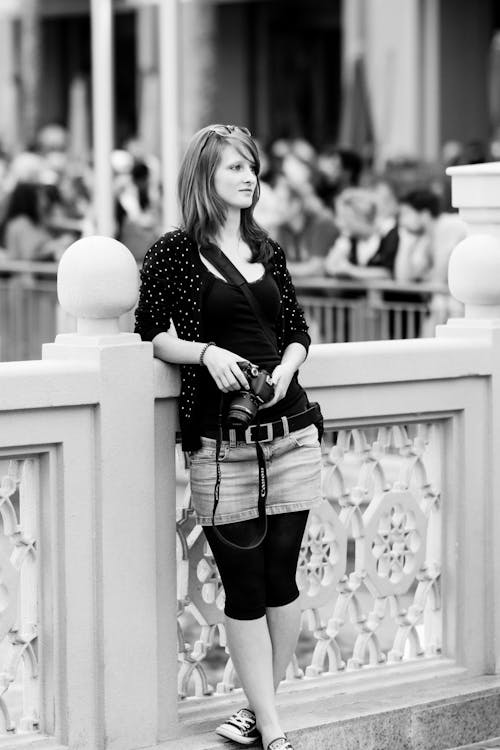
229 321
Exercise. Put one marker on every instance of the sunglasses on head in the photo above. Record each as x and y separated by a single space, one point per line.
224 130
228 129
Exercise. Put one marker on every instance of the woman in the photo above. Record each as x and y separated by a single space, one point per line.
23 231
217 332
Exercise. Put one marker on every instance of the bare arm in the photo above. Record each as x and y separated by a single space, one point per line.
221 363
293 356
169 348
311 267
367 272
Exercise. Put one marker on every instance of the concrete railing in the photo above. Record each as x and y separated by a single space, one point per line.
90 592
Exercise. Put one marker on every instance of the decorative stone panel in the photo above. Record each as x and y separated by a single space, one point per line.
368 570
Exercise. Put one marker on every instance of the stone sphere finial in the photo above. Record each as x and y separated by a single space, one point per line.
474 275
97 281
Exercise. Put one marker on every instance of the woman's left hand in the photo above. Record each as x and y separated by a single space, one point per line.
281 377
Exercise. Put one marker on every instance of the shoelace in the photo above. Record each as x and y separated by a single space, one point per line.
280 744
243 719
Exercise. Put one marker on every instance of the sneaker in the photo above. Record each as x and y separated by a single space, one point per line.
240 727
280 743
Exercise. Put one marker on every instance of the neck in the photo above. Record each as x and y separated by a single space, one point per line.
230 230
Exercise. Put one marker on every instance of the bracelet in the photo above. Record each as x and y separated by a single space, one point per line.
210 343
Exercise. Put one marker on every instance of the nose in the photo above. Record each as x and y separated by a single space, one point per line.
250 175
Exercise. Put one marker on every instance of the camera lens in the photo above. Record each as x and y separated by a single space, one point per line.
243 409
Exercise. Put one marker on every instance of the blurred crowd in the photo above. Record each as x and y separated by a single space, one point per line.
46 198
336 216
333 213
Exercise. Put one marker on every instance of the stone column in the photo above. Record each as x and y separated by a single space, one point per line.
30 68
101 18
113 702
399 44
9 136
198 60
474 279
148 79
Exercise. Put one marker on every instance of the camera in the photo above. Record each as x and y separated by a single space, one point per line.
244 405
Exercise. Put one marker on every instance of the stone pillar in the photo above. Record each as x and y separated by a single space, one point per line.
101 21
148 79
9 135
400 47
30 69
170 98
112 699
198 56
474 279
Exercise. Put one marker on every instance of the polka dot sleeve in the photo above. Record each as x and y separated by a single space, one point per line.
152 315
295 328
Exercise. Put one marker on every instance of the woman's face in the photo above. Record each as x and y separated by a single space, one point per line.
235 179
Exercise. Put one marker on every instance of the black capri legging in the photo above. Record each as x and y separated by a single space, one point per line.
254 579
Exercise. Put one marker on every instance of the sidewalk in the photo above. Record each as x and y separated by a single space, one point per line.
493 744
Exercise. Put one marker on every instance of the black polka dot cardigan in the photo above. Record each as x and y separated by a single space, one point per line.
173 282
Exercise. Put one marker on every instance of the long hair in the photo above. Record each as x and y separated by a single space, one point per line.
22 201
203 211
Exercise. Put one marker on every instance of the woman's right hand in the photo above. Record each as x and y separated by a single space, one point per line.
223 367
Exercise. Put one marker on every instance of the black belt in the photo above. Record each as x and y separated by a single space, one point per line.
263 433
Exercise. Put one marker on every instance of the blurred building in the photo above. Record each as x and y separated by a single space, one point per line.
418 71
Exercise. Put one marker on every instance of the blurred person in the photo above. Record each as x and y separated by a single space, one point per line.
280 148
121 164
304 150
138 214
494 145
307 229
298 173
26 166
139 153
76 194
451 156
267 210
4 170
52 137
427 237
360 251
338 168
387 212
24 234
256 548
277 150
474 152
52 146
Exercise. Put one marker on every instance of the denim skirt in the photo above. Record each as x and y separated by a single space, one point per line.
293 465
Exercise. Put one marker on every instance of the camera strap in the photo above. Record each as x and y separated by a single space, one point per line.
262 484
229 271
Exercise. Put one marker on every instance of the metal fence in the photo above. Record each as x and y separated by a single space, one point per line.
337 310
340 310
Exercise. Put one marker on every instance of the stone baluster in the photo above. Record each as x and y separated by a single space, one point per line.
119 687
474 279
474 269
